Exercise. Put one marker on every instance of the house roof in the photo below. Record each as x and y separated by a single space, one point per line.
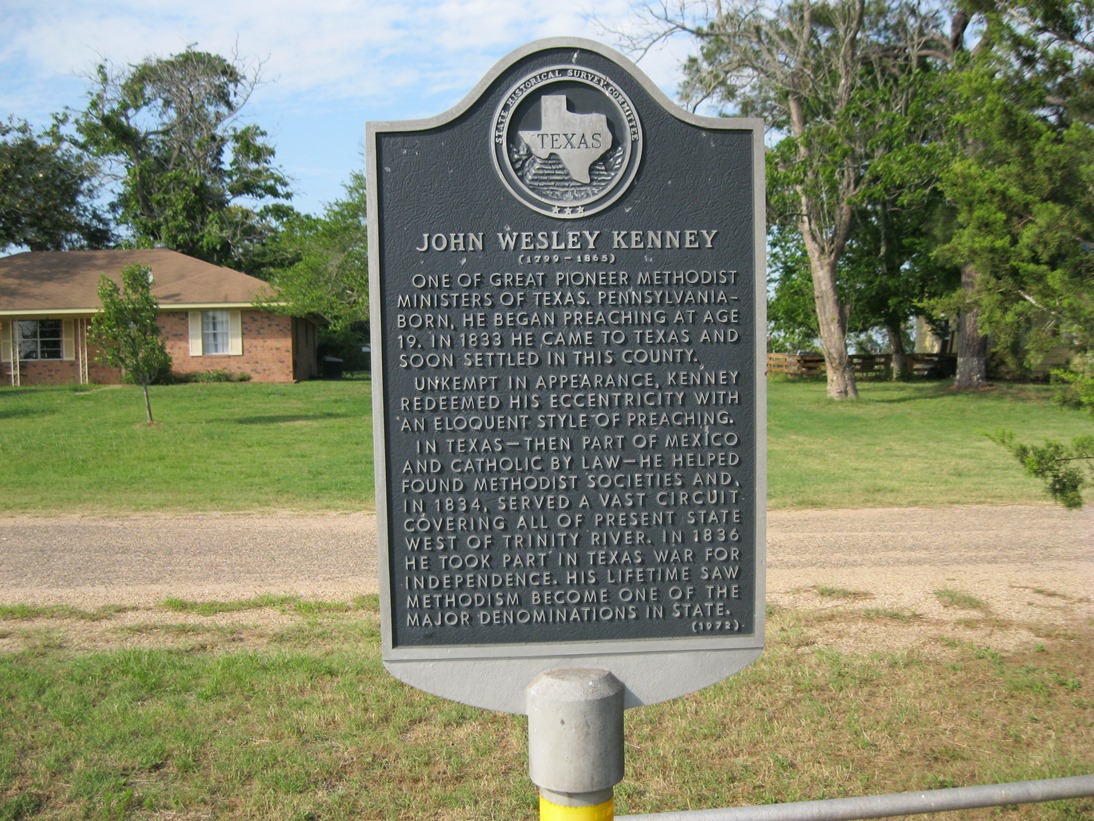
60 282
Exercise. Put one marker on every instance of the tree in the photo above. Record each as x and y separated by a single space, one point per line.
47 192
185 173
889 273
325 261
1020 181
830 78
126 331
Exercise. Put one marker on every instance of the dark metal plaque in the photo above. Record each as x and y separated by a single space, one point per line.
567 312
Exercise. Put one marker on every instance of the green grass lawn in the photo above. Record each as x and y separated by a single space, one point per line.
907 444
231 447
217 447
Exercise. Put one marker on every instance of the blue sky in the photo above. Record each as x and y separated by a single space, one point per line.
328 66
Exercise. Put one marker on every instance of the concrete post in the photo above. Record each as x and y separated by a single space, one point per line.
575 743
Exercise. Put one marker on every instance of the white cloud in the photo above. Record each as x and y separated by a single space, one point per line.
323 61
328 48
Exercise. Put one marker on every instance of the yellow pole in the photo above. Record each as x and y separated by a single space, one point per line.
549 811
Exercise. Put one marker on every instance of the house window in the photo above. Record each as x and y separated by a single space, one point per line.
215 333
40 339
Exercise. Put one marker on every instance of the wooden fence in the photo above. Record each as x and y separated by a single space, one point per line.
878 366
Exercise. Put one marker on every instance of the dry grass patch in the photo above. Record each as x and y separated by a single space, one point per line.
1050 594
798 726
285 711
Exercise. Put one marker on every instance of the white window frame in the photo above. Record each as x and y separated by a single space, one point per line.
198 338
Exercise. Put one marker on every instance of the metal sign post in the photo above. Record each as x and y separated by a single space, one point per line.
575 743
568 337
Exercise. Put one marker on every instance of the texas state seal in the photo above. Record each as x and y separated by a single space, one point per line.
566 141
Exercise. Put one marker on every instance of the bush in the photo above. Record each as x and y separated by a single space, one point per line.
1065 468
215 375
1075 388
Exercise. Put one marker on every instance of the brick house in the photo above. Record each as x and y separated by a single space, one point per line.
208 318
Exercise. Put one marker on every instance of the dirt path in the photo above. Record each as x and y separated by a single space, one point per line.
88 561
1029 565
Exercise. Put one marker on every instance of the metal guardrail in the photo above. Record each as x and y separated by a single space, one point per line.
905 803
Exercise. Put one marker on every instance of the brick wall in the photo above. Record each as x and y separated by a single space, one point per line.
267 354
59 372
45 372
267 347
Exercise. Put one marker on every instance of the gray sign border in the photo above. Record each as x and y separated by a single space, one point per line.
651 670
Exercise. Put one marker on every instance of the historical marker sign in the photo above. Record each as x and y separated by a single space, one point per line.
568 332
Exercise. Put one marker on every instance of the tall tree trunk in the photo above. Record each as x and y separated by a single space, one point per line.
900 355
972 348
831 322
825 239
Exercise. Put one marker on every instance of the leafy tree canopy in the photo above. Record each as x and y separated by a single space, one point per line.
324 261
188 176
47 192
1065 468
1021 176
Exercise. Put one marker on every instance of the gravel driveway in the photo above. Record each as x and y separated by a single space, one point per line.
898 555
135 560
858 578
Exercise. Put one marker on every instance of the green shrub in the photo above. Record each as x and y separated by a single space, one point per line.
210 376
1075 388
